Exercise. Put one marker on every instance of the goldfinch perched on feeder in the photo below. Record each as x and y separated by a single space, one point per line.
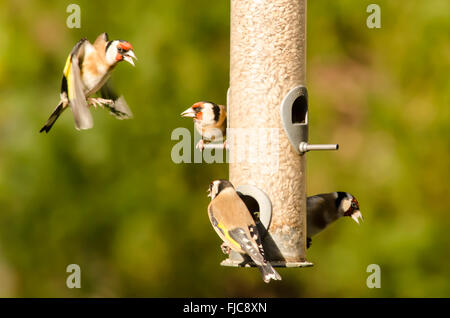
324 209
234 224
210 120
87 69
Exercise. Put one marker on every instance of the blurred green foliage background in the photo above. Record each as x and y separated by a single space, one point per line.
111 200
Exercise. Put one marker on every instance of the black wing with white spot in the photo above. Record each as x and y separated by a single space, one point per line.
120 107
239 235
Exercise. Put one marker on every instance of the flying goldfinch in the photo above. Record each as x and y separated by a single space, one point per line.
324 209
87 69
234 224
210 120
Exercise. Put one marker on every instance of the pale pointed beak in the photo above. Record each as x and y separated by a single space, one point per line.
209 193
188 113
129 56
356 216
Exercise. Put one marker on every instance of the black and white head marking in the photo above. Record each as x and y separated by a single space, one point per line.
348 206
218 186
211 113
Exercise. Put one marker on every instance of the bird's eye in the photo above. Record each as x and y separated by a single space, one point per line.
354 205
120 50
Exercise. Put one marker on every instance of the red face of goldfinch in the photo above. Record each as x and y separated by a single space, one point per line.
350 207
205 113
195 111
119 50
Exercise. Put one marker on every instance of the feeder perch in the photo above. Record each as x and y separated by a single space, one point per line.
294 117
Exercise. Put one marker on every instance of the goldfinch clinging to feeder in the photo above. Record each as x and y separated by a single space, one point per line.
87 69
234 224
324 209
210 120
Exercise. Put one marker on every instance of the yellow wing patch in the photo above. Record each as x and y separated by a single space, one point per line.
67 66
68 76
229 238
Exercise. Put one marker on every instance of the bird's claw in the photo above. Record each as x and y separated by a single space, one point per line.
225 248
200 145
101 102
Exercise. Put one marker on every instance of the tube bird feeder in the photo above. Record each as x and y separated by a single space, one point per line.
268 119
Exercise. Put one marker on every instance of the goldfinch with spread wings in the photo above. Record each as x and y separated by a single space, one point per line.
87 69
